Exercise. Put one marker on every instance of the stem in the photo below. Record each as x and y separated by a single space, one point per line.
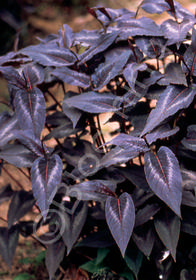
101 134
93 130
14 179
54 98
58 142
2 219
27 176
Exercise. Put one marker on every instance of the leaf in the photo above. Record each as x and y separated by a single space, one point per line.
120 217
171 100
24 276
190 140
72 77
18 155
97 190
72 113
6 193
21 203
96 264
74 221
176 32
144 238
94 102
190 59
33 74
50 55
173 75
167 225
54 250
153 47
133 259
30 110
162 131
131 71
189 187
8 243
45 177
128 147
8 123
12 76
153 7
146 213
110 69
164 177
66 36
139 27
102 43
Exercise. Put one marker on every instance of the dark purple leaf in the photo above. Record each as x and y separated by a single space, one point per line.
8 243
167 225
57 118
188 187
21 203
144 239
171 100
8 123
50 55
130 73
57 250
102 43
72 113
120 155
139 27
164 178
190 60
45 177
33 74
27 138
162 131
74 221
62 131
160 6
155 7
97 190
87 37
120 217
72 77
173 75
109 70
153 47
18 155
135 174
146 213
129 142
12 76
6 193
30 109
5 58
108 15
94 102
190 141
193 38
176 32
66 36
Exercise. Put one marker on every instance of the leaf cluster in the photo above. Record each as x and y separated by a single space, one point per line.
131 196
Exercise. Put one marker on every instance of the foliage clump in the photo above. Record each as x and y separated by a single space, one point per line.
127 203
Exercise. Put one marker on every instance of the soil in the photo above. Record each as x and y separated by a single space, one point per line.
49 18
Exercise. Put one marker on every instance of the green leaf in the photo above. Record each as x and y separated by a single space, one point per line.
24 276
96 264
127 274
133 259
